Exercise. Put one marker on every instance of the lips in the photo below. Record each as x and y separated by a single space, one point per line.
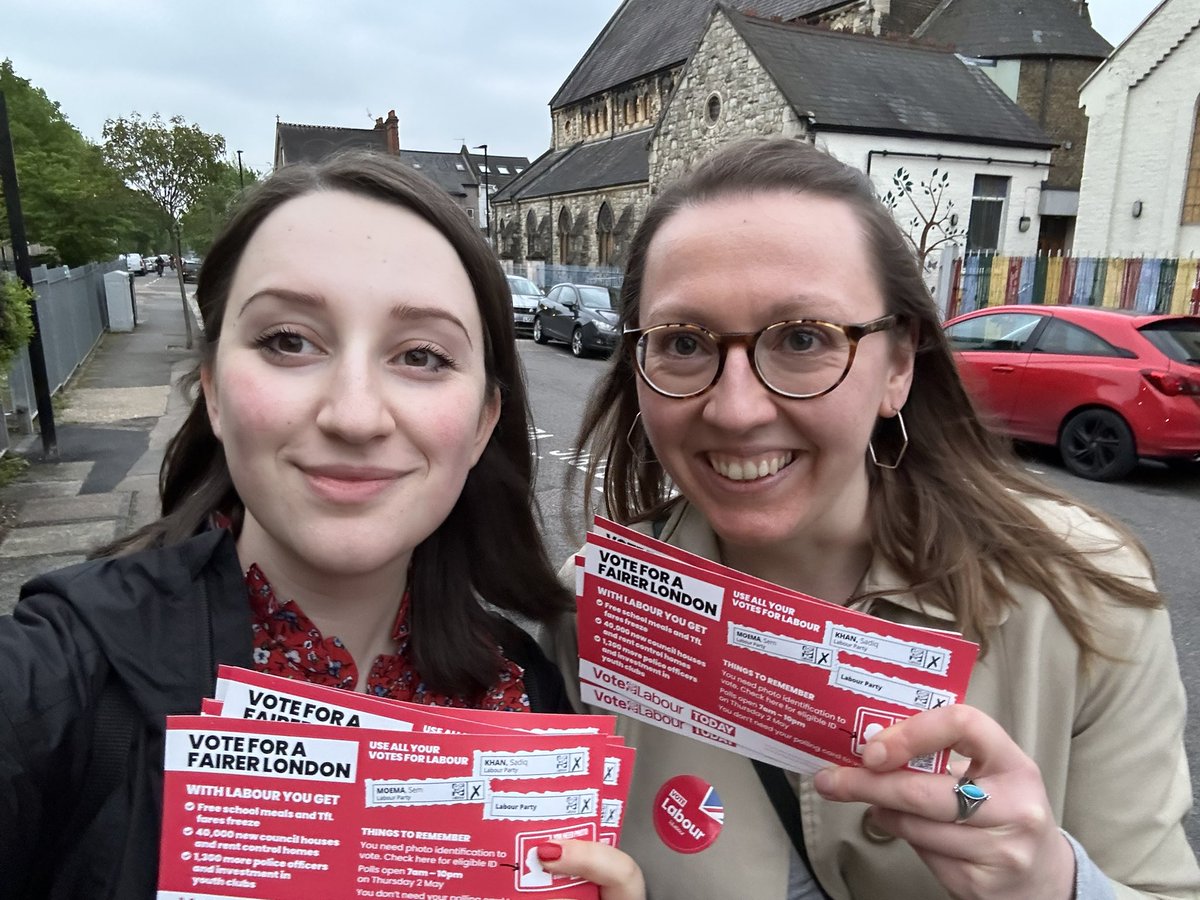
349 484
750 468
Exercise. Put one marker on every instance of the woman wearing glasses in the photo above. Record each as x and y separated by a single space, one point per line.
786 404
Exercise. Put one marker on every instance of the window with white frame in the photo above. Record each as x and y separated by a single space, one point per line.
987 213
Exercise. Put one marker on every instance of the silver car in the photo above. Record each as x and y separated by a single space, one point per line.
525 299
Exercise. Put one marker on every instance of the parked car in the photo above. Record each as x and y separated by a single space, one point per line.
525 299
1104 386
135 263
582 315
191 267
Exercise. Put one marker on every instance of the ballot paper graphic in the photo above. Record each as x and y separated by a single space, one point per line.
706 651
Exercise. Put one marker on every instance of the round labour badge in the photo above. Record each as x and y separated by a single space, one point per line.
688 814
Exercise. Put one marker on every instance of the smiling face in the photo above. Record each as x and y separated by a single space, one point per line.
348 387
770 472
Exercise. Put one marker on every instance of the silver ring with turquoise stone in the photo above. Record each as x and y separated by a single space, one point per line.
970 797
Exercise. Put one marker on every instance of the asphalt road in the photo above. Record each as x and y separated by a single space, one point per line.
1160 505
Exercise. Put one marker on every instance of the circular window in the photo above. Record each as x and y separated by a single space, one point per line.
712 109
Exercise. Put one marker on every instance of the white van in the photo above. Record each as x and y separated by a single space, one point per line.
135 264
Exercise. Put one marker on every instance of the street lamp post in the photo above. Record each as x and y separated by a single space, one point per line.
487 194
241 177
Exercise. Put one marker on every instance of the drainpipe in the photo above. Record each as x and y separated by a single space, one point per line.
871 154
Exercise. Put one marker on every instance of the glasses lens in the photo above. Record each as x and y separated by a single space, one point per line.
802 358
678 359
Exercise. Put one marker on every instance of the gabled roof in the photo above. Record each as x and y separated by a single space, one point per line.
449 171
583 167
996 29
644 36
312 143
1170 40
859 83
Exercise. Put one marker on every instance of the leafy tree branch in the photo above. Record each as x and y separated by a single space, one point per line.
173 162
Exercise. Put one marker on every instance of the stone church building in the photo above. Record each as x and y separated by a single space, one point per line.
642 105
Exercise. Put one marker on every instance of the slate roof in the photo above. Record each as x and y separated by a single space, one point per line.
858 83
644 36
497 178
312 143
443 169
996 29
584 167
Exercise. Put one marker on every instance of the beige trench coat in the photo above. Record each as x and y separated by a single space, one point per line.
1109 744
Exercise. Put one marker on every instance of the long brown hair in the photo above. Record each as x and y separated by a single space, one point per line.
489 546
953 519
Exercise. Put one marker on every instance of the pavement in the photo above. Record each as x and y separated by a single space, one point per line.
121 407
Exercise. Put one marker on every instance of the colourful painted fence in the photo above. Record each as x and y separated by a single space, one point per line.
1146 285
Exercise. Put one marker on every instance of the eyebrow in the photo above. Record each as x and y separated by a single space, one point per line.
401 311
796 306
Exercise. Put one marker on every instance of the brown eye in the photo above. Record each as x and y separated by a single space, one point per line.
426 358
286 343
289 343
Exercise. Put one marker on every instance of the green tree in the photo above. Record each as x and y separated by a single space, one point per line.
172 162
212 209
72 200
16 319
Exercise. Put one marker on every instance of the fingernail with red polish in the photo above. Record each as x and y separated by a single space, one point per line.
549 852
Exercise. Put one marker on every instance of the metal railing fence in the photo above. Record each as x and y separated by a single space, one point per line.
72 315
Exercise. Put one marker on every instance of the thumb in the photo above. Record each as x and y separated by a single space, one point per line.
617 875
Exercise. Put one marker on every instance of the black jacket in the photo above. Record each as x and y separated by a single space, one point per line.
157 624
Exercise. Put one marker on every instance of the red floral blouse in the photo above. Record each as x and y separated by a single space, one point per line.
288 644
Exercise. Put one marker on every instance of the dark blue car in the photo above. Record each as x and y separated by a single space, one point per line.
581 315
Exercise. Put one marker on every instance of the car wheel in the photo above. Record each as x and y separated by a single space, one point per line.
1097 444
538 336
577 348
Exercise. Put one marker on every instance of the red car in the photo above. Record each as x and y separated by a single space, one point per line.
1105 386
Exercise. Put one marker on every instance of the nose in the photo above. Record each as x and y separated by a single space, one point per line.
353 406
738 401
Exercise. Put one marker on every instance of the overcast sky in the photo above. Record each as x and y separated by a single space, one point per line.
455 71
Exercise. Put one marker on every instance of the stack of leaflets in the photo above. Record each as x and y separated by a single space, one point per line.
284 789
703 650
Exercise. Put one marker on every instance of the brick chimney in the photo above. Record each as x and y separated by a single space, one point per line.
392 126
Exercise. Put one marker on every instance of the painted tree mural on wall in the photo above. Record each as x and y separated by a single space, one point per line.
924 211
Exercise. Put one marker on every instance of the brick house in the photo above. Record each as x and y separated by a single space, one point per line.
1039 52
567 211
883 106
1141 175
463 175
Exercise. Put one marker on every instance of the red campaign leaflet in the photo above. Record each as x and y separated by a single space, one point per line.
257 696
282 811
247 694
618 777
703 650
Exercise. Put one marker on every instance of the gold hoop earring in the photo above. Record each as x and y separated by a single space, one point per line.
638 459
903 446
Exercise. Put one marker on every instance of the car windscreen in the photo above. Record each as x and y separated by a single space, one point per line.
523 286
596 297
1177 338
